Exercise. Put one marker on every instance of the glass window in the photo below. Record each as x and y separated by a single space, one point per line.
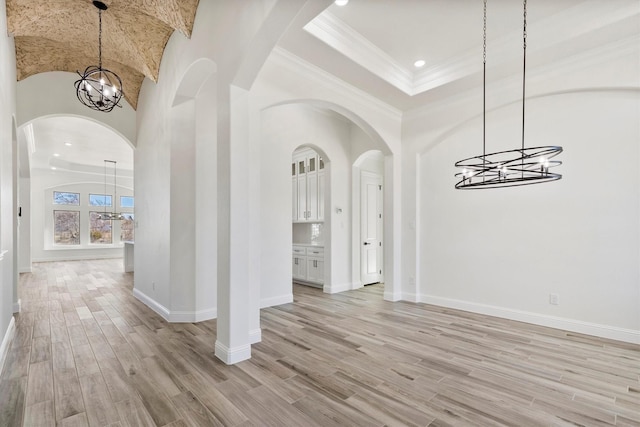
126 202
126 227
99 229
99 200
63 198
66 227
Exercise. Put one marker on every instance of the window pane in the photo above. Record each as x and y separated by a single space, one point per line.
99 229
99 200
66 227
126 202
62 198
126 227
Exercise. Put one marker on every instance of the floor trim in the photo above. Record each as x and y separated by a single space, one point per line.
279 300
231 356
192 316
255 336
334 289
152 304
17 306
595 329
6 342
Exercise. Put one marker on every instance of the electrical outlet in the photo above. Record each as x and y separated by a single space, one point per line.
554 299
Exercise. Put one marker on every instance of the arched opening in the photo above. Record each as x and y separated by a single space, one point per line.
342 137
192 197
61 188
310 172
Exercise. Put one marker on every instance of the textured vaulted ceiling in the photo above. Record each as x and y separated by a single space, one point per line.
62 35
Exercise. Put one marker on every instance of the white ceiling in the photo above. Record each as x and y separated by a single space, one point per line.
91 144
372 44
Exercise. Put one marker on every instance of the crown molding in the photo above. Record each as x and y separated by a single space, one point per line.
340 36
284 58
606 18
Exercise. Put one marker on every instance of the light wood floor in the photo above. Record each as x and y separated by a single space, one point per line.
87 353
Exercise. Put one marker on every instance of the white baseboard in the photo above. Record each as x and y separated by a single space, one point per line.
17 306
255 336
6 342
334 289
25 270
175 316
279 300
588 328
231 356
392 296
152 304
76 258
192 316
410 296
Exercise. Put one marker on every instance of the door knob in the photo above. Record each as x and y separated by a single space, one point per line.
367 243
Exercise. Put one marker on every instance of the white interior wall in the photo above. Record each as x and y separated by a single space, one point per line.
284 129
222 197
43 183
7 186
503 251
286 79
24 225
61 100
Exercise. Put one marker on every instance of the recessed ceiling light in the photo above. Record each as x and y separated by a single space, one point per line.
56 155
68 144
419 63
53 168
341 2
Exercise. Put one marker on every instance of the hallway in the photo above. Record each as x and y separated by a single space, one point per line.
86 352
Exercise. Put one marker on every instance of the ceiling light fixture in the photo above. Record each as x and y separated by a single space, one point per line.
341 2
68 144
521 166
99 88
419 63
110 215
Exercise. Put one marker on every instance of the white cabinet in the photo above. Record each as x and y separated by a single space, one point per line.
299 263
315 265
308 265
307 174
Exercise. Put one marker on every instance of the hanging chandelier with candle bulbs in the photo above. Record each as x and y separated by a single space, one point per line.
99 88
509 168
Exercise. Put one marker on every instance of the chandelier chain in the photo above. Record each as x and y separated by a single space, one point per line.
484 35
99 38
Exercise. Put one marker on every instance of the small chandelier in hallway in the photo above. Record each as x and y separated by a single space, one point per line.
110 215
99 88
510 168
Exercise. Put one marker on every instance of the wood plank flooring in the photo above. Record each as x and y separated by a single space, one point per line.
86 352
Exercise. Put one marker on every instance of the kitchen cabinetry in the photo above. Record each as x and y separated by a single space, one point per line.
308 265
307 177
299 263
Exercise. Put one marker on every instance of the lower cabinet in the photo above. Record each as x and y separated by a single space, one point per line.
308 265
299 267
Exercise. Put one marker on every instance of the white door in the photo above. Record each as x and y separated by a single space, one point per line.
370 228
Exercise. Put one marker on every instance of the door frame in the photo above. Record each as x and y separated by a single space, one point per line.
379 226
